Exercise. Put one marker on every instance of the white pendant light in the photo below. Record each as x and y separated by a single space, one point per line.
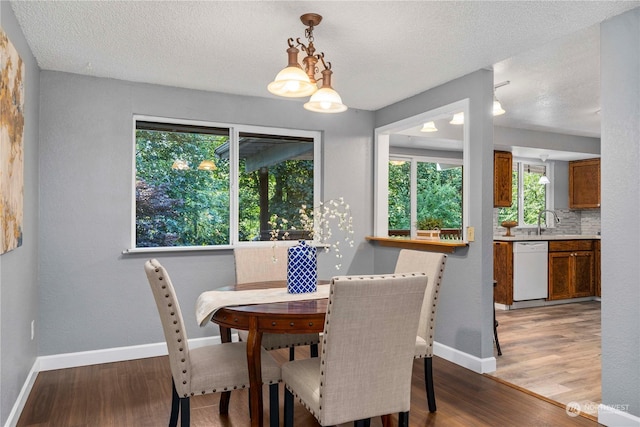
429 127
543 179
497 108
458 119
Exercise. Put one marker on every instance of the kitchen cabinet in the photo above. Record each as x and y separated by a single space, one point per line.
571 269
584 184
502 181
597 273
503 272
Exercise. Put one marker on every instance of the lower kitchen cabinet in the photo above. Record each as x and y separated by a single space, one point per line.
598 271
571 269
503 272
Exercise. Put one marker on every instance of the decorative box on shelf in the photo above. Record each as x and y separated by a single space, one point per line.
428 234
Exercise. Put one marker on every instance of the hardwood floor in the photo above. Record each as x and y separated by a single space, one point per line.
137 393
553 351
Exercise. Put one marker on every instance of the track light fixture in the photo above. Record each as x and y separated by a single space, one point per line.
295 82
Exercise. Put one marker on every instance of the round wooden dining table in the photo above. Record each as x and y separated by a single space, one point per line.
292 317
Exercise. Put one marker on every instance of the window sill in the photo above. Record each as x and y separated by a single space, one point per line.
421 245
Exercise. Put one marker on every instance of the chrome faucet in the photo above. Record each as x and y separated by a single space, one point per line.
555 216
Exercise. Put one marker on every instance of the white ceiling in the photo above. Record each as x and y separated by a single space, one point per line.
381 52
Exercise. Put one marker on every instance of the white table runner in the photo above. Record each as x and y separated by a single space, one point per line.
209 302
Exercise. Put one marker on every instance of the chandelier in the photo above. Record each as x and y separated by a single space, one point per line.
296 82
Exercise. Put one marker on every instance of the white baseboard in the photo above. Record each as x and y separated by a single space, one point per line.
465 360
118 354
613 417
86 358
14 415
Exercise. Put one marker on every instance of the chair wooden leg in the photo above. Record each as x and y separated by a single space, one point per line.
225 396
428 382
314 350
403 419
175 405
185 412
274 406
495 331
495 322
288 408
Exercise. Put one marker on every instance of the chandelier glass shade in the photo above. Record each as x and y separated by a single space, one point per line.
207 165
325 99
295 81
292 81
180 165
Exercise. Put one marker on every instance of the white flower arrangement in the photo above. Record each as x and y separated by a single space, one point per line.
318 224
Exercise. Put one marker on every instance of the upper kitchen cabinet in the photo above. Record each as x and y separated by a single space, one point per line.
584 184
502 185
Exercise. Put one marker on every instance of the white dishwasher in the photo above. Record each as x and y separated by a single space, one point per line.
530 270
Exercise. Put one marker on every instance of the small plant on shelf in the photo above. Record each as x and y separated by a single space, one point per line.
429 228
429 223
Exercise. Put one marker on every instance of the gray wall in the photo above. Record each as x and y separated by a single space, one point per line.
93 297
464 309
19 268
620 91
504 138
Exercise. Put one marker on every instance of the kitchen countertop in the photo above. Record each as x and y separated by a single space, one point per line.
526 237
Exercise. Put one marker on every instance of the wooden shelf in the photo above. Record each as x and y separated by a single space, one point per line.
420 245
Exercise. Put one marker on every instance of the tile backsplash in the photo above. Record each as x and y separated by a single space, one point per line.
571 222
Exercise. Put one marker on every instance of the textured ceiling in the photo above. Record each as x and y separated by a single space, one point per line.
381 52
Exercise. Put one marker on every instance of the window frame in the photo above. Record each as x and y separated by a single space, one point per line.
234 160
413 174
549 196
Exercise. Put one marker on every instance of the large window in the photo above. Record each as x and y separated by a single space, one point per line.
424 188
214 185
529 196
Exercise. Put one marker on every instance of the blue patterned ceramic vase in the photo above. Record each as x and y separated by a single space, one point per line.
302 268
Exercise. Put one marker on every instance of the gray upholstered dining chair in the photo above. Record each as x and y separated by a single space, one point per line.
433 265
207 369
364 369
258 264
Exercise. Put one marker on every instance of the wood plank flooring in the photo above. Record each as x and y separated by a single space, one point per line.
553 351
137 393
